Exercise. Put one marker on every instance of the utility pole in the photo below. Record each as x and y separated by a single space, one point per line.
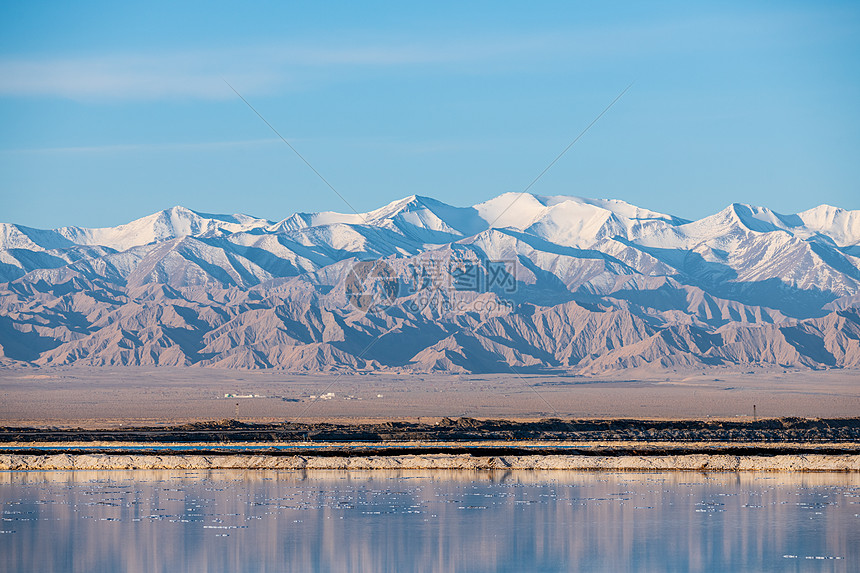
755 418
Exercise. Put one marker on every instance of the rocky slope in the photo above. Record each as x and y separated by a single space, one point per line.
523 282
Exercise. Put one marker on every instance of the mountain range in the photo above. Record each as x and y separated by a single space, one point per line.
522 282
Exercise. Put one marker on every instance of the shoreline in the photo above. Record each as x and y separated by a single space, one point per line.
776 444
690 462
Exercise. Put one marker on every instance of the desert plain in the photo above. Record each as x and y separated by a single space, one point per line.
107 397
89 405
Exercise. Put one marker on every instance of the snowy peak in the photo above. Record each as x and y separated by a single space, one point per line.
425 218
161 226
520 210
841 225
21 237
757 219
567 221
516 210
420 218
520 280
572 221
735 221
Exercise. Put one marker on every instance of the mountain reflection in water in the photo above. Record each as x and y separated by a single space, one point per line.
428 521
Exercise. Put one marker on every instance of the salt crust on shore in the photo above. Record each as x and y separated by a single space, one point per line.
693 462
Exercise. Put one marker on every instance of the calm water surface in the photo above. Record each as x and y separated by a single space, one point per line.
245 521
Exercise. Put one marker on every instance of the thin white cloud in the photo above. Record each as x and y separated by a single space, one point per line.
389 144
272 68
142 147
254 70
123 77
188 76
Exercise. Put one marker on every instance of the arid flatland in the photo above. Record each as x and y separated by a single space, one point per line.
105 397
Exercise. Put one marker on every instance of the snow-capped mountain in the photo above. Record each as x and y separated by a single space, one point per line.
519 281
162 226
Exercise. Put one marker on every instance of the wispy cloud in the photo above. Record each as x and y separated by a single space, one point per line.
271 68
124 77
386 144
143 147
198 74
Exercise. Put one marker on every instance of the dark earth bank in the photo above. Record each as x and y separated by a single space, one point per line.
773 430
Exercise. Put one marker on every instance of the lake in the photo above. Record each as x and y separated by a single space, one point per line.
257 520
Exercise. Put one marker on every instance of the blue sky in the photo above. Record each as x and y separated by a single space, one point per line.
111 111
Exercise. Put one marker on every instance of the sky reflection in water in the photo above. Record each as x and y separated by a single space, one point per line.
428 521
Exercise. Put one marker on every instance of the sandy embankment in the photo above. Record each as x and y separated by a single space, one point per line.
694 462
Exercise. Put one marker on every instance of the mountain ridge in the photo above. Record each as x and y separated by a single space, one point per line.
519 281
